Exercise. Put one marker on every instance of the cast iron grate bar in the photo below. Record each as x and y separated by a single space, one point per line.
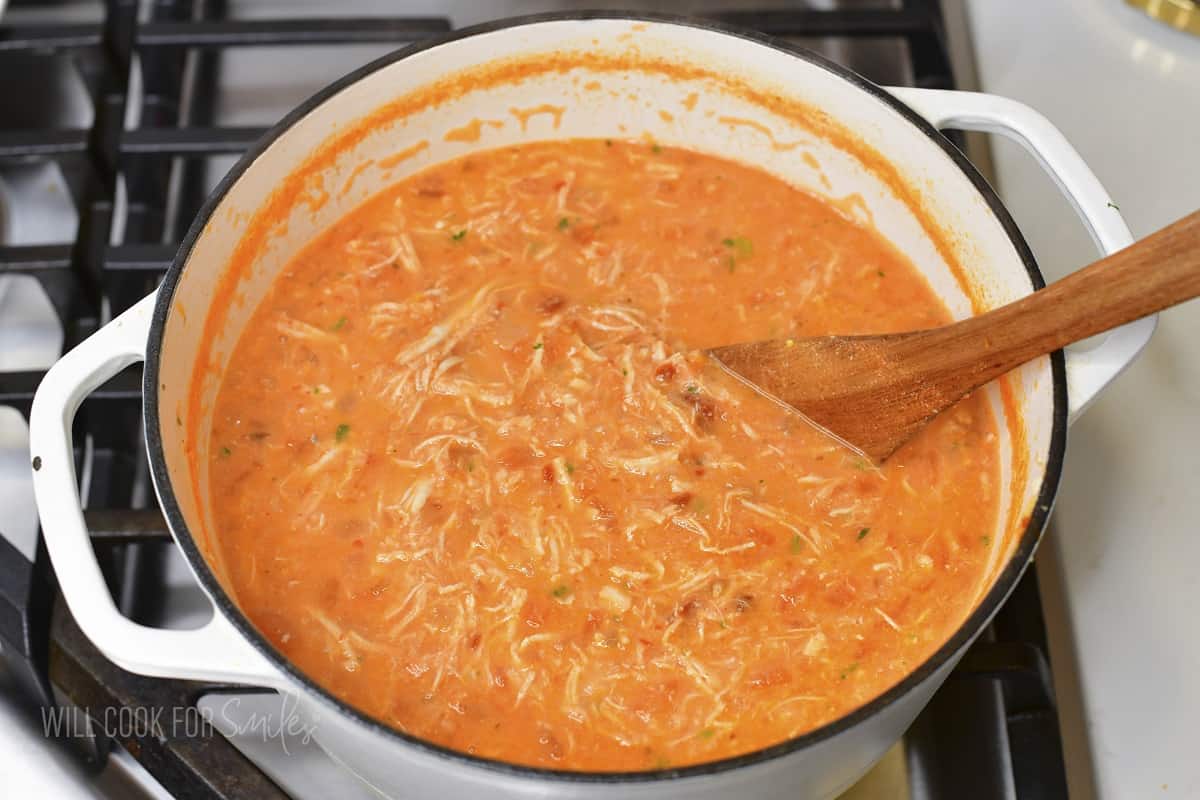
52 266
241 33
34 258
126 526
21 145
232 33
44 38
49 259
139 257
185 141
51 263
190 141
17 388
125 389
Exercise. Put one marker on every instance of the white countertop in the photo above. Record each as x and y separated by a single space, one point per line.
1124 545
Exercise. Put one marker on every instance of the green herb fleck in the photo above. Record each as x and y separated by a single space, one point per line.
740 245
860 463
732 263
608 142
692 388
561 591
570 468
342 432
538 346
707 733
563 224
316 390
1113 206
226 452
987 540
656 149
458 237
470 466
797 543
341 323
624 371
879 273
848 670
862 534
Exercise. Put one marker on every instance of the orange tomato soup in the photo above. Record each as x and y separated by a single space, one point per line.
469 473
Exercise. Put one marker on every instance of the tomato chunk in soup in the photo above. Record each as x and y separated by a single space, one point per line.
468 474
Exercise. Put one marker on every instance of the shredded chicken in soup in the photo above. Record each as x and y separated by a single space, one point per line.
469 472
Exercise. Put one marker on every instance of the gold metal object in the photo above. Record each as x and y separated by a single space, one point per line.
1181 14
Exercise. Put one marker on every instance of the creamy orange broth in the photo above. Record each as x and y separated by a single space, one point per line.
467 476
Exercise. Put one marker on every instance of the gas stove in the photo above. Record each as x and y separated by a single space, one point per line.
117 119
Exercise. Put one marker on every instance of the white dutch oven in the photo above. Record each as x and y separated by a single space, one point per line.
758 101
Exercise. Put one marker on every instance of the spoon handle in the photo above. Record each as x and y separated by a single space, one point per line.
1154 273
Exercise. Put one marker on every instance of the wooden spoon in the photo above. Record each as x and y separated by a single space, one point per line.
876 392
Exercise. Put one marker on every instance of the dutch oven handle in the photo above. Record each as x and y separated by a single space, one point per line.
1088 371
215 652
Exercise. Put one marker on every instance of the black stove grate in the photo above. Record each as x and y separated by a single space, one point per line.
992 732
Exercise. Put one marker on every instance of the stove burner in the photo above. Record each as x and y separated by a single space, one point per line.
992 729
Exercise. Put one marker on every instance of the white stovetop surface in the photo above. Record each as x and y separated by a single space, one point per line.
1124 543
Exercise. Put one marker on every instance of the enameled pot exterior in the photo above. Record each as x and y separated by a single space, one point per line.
682 83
